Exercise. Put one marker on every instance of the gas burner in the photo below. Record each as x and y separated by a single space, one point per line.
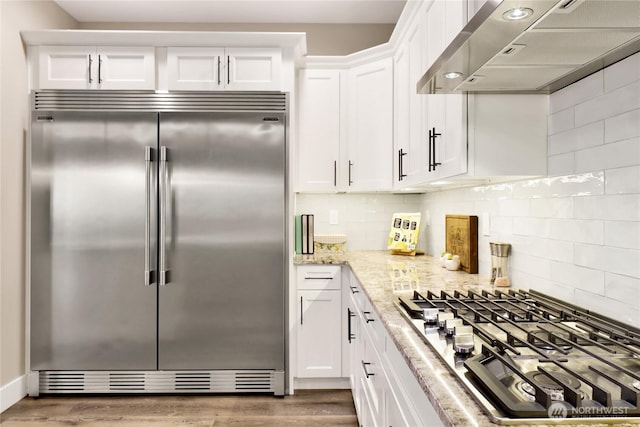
554 389
550 337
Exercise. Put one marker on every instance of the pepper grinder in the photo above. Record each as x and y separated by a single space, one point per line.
500 263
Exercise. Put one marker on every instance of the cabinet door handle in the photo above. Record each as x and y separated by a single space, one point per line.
350 314
354 290
433 141
401 174
301 312
90 64
429 144
228 70
335 173
367 374
99 69
219 81
350 165
367 319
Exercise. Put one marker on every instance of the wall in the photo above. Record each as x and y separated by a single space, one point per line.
575 234
16 16
322 39
364 218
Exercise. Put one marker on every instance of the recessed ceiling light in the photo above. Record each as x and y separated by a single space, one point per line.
452 75
517 14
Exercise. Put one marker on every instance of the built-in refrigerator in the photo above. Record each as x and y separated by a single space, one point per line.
157 242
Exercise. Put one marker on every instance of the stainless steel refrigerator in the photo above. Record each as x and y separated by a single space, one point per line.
157 242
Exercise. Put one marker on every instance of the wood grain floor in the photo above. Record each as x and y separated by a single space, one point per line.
305 408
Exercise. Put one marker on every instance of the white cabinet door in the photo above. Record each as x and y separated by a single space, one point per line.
126 68
253 68
67 67
319 130
410 112
216 68
319 343
195 68
370 145
88 67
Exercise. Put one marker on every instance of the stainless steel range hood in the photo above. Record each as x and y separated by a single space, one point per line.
559 44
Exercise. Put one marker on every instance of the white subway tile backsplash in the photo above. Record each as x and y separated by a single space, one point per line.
622 261
621 311
622 73
538 227
578 277
581 231
561 186
621 100
590 256
609 156
561 121
614 207
562 164
575 139
583 90
623 180
622 288
513 207
561 207
533 265
622 234
557 250
623 126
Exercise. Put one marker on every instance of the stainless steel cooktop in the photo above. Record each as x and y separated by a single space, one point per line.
525 356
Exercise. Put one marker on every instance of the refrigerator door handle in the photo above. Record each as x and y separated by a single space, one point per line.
163 216
148 273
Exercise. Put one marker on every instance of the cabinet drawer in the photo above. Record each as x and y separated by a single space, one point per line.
372 325
318 277
372 376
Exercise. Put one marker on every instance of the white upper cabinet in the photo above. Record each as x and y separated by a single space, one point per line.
370 122
410 109
210 68
88 67
319 137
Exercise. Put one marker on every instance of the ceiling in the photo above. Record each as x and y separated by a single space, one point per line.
236 11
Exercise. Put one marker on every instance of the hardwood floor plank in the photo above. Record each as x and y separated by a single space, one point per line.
305 408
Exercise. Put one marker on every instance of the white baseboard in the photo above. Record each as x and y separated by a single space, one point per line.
13 392
321 383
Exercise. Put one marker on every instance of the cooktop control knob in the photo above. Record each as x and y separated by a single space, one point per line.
430 315
450 325
442 318
463 339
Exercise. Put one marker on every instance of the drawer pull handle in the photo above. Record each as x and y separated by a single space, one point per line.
367 374
354 290
367 319
318 278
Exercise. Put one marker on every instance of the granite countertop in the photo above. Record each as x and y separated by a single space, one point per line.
374 269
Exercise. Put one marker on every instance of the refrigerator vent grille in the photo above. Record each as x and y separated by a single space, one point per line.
63 382
87 100
157 382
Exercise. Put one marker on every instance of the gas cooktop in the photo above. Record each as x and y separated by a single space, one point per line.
528 357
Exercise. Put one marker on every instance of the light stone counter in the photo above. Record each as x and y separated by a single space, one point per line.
374 271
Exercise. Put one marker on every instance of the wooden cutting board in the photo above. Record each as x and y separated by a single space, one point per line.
462 240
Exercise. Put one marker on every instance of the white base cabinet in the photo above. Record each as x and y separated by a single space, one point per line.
319 338
385 392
